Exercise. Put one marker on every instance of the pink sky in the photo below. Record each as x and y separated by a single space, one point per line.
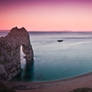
47 16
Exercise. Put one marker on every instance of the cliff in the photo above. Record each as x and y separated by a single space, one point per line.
10 52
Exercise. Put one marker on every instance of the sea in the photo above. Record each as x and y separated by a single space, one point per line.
55 60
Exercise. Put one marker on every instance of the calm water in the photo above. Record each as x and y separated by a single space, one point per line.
54 60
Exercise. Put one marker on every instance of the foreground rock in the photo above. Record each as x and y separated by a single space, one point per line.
10 52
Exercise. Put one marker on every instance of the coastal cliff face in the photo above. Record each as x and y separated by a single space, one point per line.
10 52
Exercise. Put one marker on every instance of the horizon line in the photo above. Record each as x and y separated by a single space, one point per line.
50 31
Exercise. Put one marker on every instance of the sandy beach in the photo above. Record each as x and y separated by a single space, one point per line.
67 85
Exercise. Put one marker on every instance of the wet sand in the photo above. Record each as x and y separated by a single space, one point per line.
66 85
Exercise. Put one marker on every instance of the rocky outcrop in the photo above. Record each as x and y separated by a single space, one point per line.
10 52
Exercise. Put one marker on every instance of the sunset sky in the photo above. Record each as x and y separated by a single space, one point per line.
46 15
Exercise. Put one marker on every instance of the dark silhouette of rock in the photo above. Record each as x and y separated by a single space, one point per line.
10 52
59 40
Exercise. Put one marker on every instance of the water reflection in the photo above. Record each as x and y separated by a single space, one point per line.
26 68
27 73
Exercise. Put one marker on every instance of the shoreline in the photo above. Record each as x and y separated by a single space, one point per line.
57 80
66 85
